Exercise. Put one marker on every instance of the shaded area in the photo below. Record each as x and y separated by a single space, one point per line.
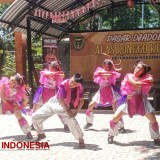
93 147
19 138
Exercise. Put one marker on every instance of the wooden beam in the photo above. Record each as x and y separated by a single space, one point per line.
20 53
6 1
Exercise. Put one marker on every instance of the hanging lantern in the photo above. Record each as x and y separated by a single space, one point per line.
130 4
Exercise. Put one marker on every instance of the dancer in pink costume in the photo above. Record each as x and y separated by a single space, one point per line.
70 91
135 88
50 79
14 98
107 94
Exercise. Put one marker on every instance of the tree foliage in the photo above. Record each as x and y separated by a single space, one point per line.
122 18
3 7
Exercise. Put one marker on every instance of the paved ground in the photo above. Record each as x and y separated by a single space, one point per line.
133 145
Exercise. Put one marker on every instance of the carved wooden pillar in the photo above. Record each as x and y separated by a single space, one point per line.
20 53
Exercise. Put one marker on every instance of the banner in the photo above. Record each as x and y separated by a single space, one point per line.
64 16
49 50
88 49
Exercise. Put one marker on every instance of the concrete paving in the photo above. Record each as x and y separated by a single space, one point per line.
135 144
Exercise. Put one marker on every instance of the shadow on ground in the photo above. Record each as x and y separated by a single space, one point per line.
92 147
19 138
145 144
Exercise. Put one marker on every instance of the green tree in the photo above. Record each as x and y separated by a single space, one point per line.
122 18
3 7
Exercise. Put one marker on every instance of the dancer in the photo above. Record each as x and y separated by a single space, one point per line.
70 91
50 79
135 88
107 94
14 98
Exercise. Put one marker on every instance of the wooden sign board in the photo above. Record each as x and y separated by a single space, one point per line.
88 49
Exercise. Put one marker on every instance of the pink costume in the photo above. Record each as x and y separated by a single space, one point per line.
49 86
106 93
53 106
65 92
14 96
134 102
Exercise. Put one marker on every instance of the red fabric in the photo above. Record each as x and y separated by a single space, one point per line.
136 105
7 107
155 126
47 94
106 95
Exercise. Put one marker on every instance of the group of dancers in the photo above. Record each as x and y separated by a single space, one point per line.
56 94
